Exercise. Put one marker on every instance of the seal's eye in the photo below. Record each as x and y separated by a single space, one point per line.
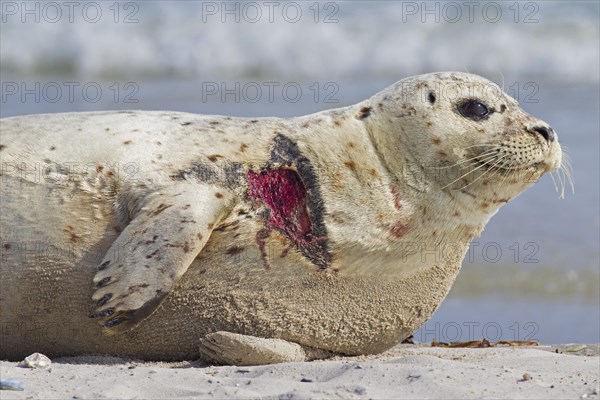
473 109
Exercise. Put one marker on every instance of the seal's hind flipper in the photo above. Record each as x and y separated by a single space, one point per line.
153 252
228 348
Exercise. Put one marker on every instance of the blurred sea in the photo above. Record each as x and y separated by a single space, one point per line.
535 271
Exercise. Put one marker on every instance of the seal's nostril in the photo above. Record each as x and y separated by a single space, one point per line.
546 132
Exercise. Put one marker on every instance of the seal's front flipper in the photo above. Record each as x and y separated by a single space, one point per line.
234 349
153 252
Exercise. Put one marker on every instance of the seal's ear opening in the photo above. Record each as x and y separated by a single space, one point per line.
473 109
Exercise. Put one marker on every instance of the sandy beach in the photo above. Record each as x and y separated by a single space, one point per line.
406 371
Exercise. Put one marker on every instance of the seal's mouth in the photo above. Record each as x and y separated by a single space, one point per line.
509 169
514 161
517 154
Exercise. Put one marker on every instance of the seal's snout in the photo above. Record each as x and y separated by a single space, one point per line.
552 155
545 131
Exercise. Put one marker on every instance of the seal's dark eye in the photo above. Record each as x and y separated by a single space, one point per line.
473 109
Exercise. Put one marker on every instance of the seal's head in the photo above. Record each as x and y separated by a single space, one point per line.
476 140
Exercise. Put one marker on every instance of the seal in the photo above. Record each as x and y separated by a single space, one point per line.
167 235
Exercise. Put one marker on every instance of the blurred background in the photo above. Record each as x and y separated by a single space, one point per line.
534 272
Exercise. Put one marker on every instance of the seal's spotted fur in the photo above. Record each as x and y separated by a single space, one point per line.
340 231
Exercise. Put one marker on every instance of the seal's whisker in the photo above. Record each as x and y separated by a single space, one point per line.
565 177
494 162
567 161
490 158
483 145
487 170
479 177
563 173
473 165
476 179
468 172
462 176
554 181
559 182
487 147
480 159
568 170
489 153
561 176
502 172
571 181
509 170
487 161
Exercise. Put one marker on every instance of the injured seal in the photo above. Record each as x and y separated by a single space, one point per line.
166 235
